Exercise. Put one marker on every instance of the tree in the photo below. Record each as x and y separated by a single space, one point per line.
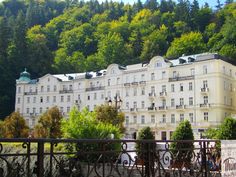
146 150
84 125
49 124
227 130
190 43
110 114
182 151
15 126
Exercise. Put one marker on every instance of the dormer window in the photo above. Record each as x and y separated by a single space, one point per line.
159 64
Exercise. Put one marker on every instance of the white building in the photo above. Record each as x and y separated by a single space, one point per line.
158 94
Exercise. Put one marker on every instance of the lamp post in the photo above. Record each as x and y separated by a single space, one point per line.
117 101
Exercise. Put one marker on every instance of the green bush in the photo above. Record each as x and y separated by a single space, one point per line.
183 150
84 125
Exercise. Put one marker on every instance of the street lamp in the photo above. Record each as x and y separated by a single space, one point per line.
117 101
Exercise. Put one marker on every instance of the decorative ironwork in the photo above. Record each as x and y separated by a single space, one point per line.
181 78
107 158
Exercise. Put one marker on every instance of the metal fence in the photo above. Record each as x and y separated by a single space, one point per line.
108 158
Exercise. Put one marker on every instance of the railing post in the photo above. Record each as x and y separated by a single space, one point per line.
40 159
204 158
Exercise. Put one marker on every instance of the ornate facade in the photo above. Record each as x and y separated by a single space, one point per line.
159 94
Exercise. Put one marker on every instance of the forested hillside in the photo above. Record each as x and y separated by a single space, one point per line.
48 36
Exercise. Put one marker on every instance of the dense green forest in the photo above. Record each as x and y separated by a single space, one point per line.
49 36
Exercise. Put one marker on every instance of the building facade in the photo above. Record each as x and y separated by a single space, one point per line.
199 88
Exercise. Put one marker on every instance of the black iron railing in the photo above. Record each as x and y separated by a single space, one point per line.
107 158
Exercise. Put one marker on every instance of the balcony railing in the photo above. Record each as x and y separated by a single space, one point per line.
205 105
30 93
180 106
152 94
152 108
163 94
204 89
94 88
65 91
126 84
173 79
142 82
90 157
133 109
134 83
162 108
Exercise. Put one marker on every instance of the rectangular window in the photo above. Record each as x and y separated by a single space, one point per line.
142 77
172 102
153 119
127 120
174 74
152 76
191 117
190 101
109 82
181 117
142 119
205 99
95 96
18 100
163 135
88 97
135 119
192 72
19 89
172 118
62 98
190 86
27 110
41 88
205 84
135 104
41 99
47 99
68 98
143 104
28 99
153 89
127 92
127 105
70 87
54 88
40 110
163 74
206 116
34 110
204 69
48 88
163 118
143 91
34 100
54 99
172 87
181 87
181 101
163 88
135 91
68 109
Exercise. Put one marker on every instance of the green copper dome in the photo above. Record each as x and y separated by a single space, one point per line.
25 76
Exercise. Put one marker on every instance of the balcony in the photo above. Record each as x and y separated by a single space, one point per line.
142 82
204 90
134 83
163 94
94 88
205 105
30 93
65 91
152 108
162 108
152 94
126 84
174 79
133 109
180 107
